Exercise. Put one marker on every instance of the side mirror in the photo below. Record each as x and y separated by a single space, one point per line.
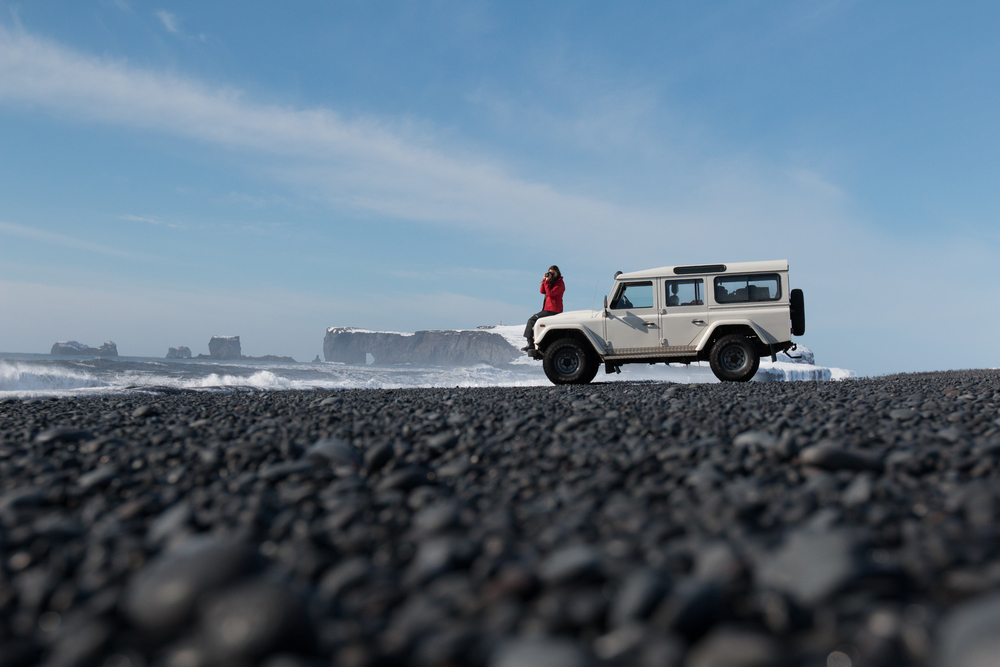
605 306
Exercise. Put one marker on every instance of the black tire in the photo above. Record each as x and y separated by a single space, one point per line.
797 308
567 361
734 359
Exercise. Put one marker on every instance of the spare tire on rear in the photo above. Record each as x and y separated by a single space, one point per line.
797 306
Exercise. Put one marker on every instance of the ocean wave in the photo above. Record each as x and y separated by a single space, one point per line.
48 377
17 377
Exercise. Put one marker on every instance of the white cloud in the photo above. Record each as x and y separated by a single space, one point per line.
52 238
169 21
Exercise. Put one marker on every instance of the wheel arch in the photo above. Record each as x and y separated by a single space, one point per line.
744 327
577 333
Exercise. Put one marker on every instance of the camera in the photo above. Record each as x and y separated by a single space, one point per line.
548 274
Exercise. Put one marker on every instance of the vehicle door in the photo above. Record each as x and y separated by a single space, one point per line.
633 317
684 316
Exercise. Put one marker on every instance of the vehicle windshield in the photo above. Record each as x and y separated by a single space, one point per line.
633 295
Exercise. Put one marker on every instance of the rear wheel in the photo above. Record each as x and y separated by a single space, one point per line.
734 359
567 361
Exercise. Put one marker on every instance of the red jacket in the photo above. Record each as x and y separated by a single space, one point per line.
553 294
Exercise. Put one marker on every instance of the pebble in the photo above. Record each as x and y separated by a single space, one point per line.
251 620
335 451
637 597
568 564
810 565
830 456
145 411
376 457
734 647
98 476
62 434
163 596
970 634
541 652
405 479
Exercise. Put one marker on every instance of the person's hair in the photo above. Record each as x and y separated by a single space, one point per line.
556 269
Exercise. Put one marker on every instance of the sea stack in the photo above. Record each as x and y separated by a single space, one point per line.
73 348
424 348
182 352
225 348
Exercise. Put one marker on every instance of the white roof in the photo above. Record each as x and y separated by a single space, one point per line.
735 267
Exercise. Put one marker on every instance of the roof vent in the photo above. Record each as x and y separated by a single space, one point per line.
704 268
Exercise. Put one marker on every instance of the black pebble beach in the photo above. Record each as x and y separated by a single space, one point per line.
835 524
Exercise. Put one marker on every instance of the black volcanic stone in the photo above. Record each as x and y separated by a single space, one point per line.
253 619
810 565
733 647
163 596
403 480
541 652
970 634
637 597
830 456
378 456
576 562
628 523
335 451
62 434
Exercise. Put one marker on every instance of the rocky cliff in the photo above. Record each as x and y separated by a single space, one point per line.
182 352
423 348
71 347
225 348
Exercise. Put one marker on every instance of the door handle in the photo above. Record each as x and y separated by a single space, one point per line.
650 324
697 321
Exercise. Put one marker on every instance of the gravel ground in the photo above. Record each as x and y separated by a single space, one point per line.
837 524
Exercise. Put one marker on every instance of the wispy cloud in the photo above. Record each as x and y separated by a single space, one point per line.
52 238
360 163
169 21
149 221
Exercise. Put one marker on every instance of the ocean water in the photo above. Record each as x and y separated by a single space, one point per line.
31 375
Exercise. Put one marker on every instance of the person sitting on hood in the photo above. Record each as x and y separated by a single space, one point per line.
552 287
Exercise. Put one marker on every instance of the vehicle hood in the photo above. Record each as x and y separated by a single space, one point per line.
571 316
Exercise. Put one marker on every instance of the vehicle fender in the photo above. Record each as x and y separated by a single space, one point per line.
707 336
595 341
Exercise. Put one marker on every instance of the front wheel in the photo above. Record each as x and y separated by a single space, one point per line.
567 361
734 359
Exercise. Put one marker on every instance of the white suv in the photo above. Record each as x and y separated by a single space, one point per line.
728 314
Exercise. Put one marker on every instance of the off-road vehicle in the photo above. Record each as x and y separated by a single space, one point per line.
727 314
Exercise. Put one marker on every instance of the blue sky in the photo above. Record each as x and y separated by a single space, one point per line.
174 170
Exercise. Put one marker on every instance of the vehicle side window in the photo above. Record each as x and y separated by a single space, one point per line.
633 295
753 287
684 292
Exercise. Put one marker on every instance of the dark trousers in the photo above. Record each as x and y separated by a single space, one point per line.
529 331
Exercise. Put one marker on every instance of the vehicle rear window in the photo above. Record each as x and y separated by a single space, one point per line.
751 287
633 295
684 292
